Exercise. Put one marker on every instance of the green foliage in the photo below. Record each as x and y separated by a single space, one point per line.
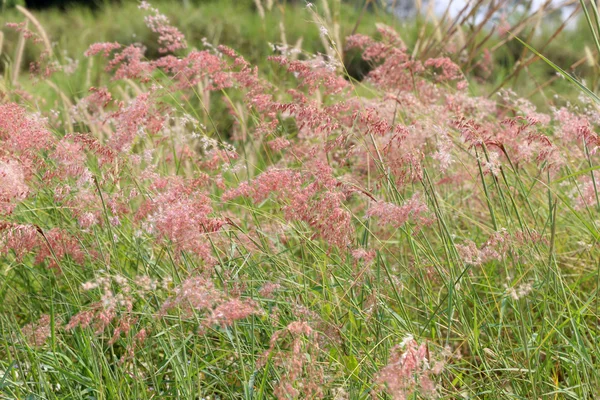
8 4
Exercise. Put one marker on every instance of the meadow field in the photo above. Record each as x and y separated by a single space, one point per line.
263 199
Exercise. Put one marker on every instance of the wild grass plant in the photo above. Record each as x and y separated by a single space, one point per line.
394 237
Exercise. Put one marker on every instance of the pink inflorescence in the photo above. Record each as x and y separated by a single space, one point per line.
409 370
413 209
168 36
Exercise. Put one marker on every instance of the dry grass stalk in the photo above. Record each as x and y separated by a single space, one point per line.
18 56
38 27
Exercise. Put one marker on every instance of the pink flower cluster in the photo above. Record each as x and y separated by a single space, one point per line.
51 246
37 333
413 209
168 36
409 370
497 246
12 185
315 200
302 377
199 294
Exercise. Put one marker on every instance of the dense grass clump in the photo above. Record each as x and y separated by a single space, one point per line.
317 237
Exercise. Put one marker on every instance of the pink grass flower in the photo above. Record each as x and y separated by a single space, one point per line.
37 333
408 371
226 313
449 71
279 144
12 185
22 133
104 48
18 239
316 202
294 349
168 36
413 209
